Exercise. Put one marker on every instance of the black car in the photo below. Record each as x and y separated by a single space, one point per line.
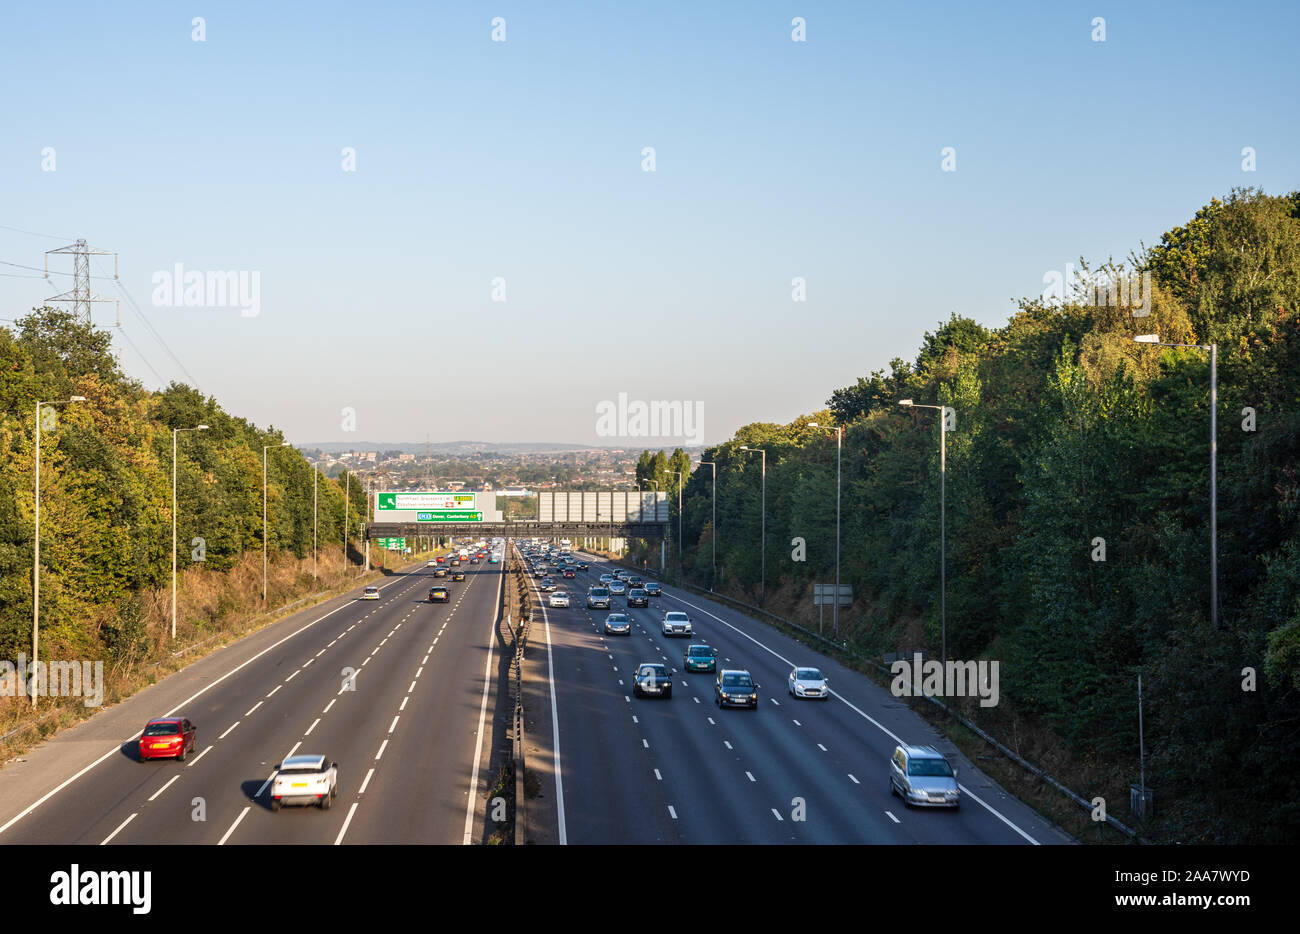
638 597
652 680
458 575
548 585
438 595
735 688
652 588
582 566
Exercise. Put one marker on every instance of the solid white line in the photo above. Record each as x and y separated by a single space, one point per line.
851 706
392 726
162 789
893 818
344 829
264 784
242 815
332 702
555 730
254 707
232 726
468 835
190 764
294 749
119 829
366 783
312 727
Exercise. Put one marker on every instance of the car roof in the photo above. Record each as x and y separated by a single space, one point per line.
922 752
733 671
294 761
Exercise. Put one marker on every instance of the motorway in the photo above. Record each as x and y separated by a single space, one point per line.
406 737
684 771
414 735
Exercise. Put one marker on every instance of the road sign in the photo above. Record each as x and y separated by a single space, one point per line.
449 516
396 502
824 594
392 543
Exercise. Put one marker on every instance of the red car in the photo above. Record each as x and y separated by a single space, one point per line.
568 572
167 738
442 559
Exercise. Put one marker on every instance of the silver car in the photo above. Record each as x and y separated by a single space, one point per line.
921 776
808 682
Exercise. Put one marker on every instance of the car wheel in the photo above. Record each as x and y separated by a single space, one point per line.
275 805
668 694
326 801
181 757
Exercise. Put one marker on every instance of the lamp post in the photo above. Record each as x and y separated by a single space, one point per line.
36 561
266 448
762 593
943 525
714 536
1214 462
314 475
839 446
175 432
347 494
679 520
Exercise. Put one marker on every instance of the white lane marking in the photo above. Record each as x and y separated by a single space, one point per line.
425 660
658 776
312 727
264 784
893 818
335 639
375 652
710 719
727 744
294 749
162 789
797 723
696 699
190 764
119 829
411 688
344 829
242 815
468 835
750 776
332 702
404 700
277 687
320 653
420 671
778 814
254 707
855 781
228 731
366 783
308 662
365 663
292 676
775 701
385 639
392 726
645 743
671 812
822 748
634 719
851 706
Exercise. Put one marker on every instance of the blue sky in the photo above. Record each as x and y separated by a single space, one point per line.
523 160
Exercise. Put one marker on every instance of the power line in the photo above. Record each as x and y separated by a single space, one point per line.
54 272
135 306
32 233
139 353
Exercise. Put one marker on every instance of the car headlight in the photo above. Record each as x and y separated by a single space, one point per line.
753 697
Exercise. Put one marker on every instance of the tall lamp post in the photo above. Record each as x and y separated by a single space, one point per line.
661 543
36 561
266 448
1214 462
175 432
714 536
839 447
943 526
762 593
315 474
679 520
347 494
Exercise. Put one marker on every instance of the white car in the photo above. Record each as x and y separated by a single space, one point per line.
370 593
677 623
431 563
559 598
305 780
808 682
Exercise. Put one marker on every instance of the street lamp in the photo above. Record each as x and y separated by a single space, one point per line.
839 446
175 432
347 494
714 536
943 525
266 448
679 520
762 593
1214 462
314 475
36 561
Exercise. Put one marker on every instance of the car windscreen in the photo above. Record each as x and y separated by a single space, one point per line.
617 618
702 651
808 674
652 670
598 592
162 729
301 770
736 681
677 617
933 767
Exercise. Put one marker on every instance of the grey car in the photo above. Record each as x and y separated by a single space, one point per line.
922 777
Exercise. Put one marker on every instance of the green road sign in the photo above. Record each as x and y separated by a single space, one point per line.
392 542
402 502
462 515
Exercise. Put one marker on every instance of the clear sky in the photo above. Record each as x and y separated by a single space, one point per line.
523 159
